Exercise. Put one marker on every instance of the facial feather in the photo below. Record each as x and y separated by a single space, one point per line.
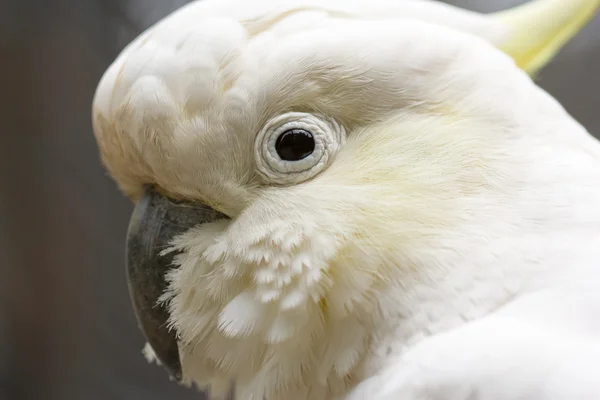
271 290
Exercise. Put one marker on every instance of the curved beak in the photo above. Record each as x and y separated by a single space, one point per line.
155 221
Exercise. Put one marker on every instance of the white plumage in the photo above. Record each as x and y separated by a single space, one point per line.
442 241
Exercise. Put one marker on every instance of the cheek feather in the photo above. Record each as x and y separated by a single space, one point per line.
259 279
263 290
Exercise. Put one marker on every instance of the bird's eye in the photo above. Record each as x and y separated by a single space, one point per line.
294 147
295 144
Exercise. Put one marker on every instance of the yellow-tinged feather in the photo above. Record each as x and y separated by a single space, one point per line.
539 29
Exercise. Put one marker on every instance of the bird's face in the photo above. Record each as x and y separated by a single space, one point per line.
290 163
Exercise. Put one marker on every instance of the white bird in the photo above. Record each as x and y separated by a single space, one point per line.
358 199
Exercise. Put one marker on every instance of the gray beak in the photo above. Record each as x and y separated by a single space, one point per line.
154 222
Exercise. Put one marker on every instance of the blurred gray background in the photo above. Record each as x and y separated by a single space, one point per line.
67 331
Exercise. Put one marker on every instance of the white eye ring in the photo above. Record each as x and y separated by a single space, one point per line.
328 135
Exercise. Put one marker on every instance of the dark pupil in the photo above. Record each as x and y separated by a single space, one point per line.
295 144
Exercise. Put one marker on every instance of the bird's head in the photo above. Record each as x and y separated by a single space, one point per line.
290 160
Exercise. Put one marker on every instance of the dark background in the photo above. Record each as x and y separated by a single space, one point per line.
67 331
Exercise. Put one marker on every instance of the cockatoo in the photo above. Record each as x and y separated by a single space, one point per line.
358 199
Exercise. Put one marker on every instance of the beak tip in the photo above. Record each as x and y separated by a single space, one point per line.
169 359
175 373
172 362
